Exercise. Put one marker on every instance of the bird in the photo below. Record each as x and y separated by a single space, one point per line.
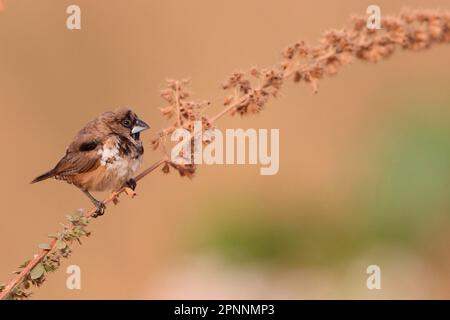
104 155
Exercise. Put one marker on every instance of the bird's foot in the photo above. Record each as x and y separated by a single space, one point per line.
129 188
115 198
100 209
131 184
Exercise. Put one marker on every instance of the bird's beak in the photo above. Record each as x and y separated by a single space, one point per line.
139 126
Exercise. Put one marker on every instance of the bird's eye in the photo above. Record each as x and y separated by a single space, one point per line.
126 123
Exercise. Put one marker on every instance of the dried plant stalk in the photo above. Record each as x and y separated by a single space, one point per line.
248 94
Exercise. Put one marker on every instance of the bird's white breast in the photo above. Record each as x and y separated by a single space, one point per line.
119 169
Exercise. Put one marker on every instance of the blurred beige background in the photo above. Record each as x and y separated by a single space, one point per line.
363 165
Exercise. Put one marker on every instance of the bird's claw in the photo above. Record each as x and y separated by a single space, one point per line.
131 184
100 209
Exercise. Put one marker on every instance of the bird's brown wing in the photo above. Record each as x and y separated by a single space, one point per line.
81 156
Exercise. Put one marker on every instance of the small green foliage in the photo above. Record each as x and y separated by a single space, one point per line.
19 293
73 231
60 244
37 271
45 246
73 217
24 264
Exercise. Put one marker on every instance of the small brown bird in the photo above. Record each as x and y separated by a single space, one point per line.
103 156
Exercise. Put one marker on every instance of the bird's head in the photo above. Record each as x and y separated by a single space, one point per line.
125 122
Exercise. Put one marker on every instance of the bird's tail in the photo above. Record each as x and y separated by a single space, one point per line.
44 176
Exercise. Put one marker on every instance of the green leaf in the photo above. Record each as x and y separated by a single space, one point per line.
2 286
37 272
61 245
48 267
84 221
52 236
44 246
73 217
23 265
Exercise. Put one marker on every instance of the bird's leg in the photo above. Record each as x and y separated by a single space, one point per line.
131 184
98 204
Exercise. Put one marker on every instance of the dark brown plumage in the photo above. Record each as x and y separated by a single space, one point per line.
103 156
